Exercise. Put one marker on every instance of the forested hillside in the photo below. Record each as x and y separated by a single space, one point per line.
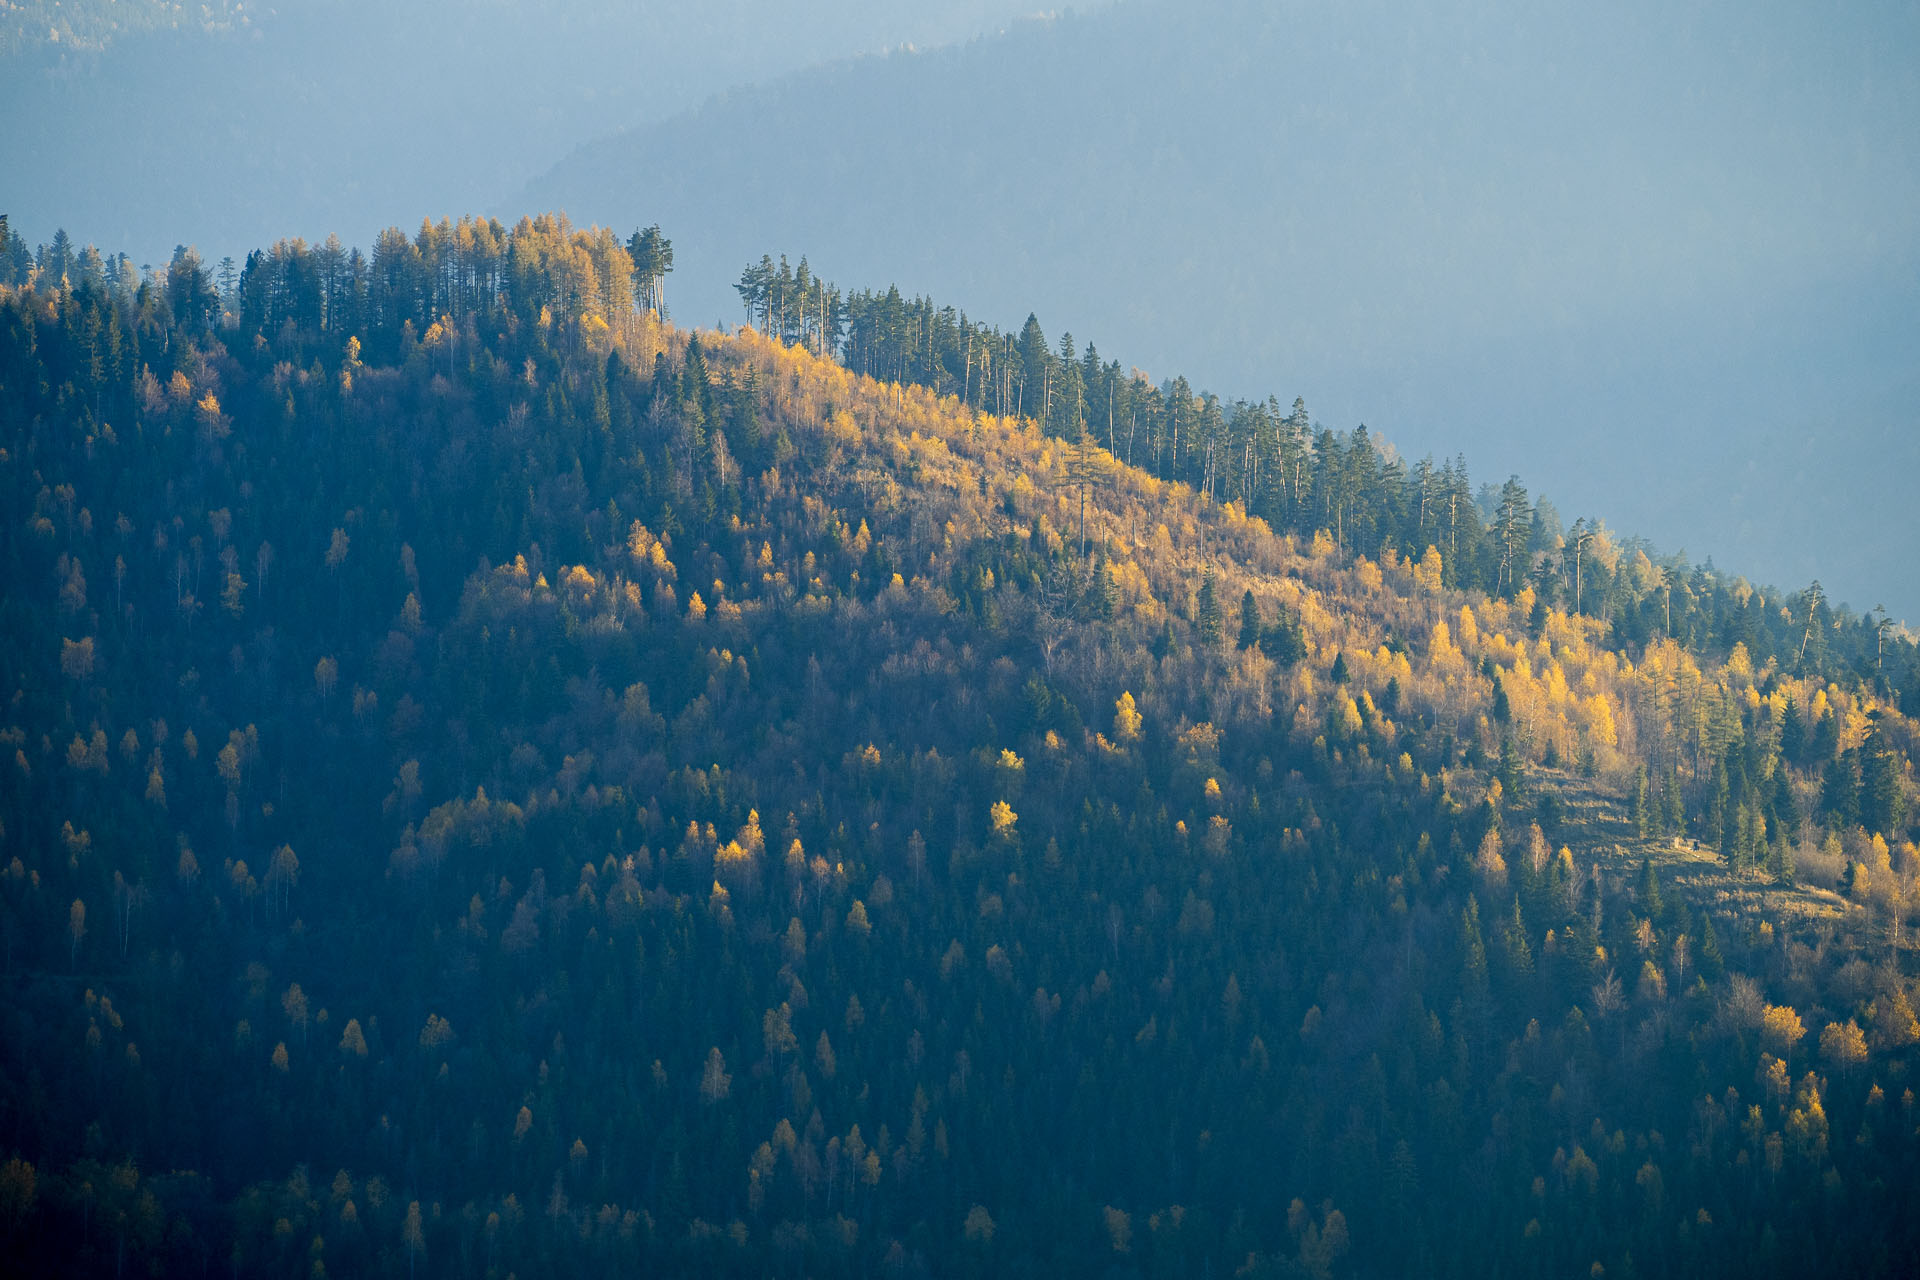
1565 240
502 785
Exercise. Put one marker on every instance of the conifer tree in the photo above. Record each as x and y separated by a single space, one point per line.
1519 950
1473 950
652 256
1208 613
1249 620
1882 802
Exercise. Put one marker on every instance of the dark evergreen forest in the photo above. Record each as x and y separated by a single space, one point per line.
501 785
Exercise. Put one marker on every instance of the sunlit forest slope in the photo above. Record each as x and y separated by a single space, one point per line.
494 784
1565 239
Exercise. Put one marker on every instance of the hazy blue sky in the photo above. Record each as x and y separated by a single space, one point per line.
347 116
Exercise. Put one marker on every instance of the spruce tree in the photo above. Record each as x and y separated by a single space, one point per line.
1208 613
1473 951
1519 951
1712 963
1249 620
1840 790
1882 804
1780 859
1793 733
1509 771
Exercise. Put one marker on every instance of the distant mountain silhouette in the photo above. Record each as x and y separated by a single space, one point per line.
335 116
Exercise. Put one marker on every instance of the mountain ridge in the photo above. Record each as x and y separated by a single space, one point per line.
1436 231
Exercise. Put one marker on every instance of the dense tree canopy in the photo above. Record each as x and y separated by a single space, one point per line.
500 785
